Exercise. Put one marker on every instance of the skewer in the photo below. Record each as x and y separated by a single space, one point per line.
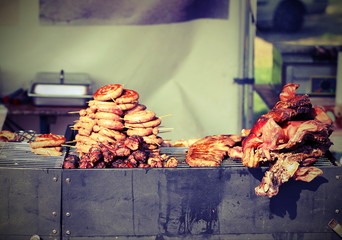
71 141
167 115
74 112
164 131
65 145
156 143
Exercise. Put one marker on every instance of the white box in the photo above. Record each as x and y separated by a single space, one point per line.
3 114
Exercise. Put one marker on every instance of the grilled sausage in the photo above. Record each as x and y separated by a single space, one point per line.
139 117
107 115
48 140
142 131
112 133
103 106
116 125
153 139
150 124
127 106
101 138
108 92
137 108
128 96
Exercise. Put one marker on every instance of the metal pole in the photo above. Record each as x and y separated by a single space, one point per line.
248 35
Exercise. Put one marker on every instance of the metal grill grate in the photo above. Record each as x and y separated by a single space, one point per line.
19 155
180 153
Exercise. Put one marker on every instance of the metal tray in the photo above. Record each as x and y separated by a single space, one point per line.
56 100
61 89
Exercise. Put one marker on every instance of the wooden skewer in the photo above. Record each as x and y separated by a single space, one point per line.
71 141
71 146
74 112
165 131
166 115
156 143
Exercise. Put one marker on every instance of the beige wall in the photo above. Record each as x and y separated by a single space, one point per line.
184 69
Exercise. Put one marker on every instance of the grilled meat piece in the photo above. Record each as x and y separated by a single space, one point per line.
71 162
86 164
133 142
171 162
291 135
284 169
281 128
307 174
100 165
7 136
144 165
121 149
95 154
122 164
210 151
280 172
48 140
140 156
235 152
108 156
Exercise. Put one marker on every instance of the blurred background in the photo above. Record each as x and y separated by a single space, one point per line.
300 41
307 40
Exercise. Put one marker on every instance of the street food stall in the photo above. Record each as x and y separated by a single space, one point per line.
113 174
129 186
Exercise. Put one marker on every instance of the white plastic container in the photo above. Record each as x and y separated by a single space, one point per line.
3 114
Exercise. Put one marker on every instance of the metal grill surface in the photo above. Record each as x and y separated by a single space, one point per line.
180 153
19 155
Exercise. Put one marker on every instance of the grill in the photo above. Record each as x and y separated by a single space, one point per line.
40 198
19 155
180 153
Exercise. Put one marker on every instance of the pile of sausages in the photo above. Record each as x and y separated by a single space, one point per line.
116 127
113 115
